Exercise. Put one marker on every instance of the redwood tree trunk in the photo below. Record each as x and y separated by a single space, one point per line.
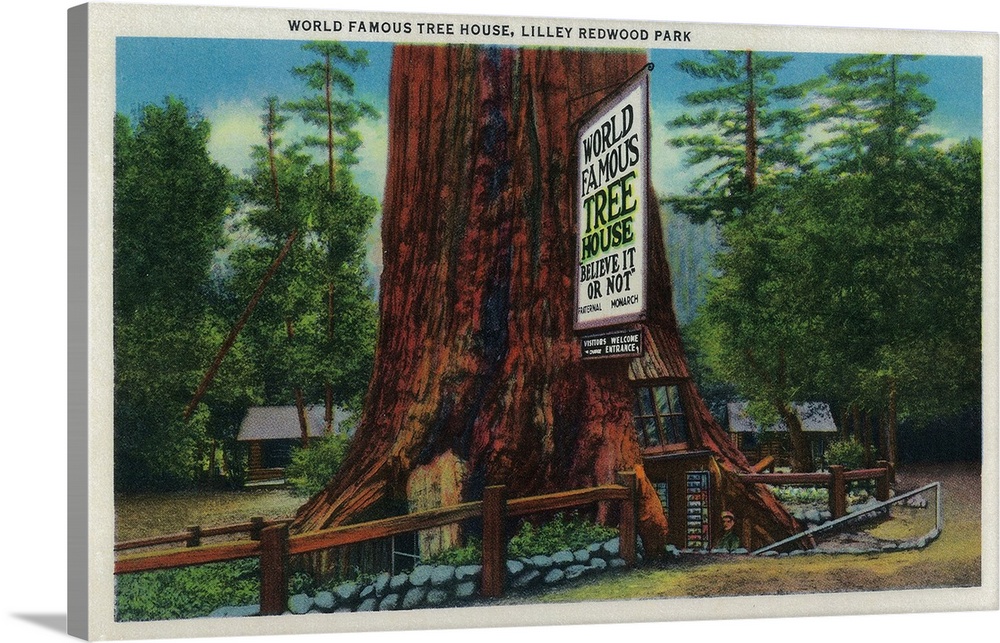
478 374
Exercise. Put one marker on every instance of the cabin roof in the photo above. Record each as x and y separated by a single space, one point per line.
816 418
282 422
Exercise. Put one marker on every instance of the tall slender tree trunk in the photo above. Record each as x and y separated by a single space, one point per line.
328 94
751 126
300 408
328 386
892 449
867 437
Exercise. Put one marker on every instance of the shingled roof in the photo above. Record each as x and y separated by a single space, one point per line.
282 422
816 418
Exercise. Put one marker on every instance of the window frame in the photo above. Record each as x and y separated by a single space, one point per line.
664 432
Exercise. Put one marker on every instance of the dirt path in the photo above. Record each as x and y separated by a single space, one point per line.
155 514
954 560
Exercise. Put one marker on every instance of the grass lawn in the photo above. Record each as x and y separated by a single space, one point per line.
954 560
156 514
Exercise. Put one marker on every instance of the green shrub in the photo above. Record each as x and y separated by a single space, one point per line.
311 468
801 495
187 592
301 583
556 535
848 453
469 554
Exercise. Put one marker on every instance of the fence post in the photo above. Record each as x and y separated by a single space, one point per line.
494 544
194 536
256 527
838 491
627 521
882 482
274 570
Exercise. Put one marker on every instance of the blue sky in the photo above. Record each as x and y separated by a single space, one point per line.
226 81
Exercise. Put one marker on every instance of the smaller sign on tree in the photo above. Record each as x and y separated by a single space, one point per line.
621 343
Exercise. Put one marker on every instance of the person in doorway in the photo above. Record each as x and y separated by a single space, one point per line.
728 541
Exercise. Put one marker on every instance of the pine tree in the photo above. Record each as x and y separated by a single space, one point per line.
747 131
332 108
290 202
342 214
875 111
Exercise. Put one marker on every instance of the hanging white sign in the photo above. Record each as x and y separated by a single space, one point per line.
611 208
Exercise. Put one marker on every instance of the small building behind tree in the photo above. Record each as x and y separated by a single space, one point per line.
271 432
758 442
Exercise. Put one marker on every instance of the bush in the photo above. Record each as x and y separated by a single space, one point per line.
849 453
311 468
801 495
556 535
470 554
188 592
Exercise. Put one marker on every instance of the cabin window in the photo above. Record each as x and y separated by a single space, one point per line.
659 416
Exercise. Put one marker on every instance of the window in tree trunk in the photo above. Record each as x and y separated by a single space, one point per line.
659 417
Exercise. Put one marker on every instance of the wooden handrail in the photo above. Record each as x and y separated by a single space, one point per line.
835 480
152 561
276 546
565 500
786 478
206 532
350 534
863 474
140 543
353 534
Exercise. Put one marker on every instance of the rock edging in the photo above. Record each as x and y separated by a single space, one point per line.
446 585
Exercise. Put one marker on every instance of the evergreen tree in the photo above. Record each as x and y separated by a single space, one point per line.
874 111
857 280
332 108
747 131
315 324
170 200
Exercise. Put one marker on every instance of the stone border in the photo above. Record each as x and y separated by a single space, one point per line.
446 585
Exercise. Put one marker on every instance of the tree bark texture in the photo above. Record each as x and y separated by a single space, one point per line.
801 455
476 357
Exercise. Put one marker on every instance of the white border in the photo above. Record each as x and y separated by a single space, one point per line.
38 591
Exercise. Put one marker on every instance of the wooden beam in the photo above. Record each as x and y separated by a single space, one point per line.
494 541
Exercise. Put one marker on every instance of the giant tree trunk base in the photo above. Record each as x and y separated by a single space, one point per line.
477 361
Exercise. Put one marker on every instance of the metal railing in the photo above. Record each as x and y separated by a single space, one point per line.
868 509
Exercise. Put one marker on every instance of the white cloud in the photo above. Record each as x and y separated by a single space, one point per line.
235 129
670 174
370 172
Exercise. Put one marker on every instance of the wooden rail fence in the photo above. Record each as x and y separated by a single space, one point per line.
835 480
193 536
273 545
